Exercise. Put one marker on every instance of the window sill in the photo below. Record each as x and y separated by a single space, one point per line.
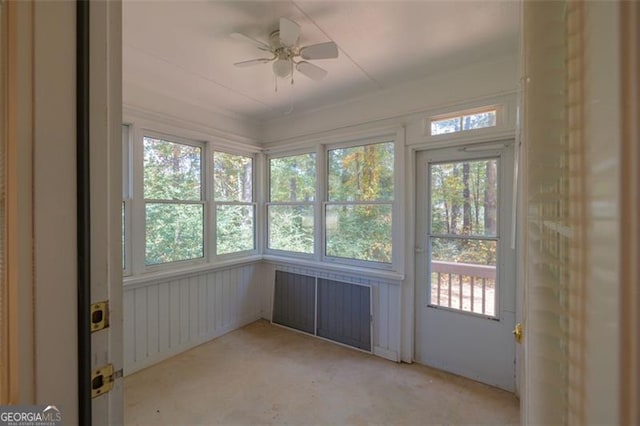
155 276
387 276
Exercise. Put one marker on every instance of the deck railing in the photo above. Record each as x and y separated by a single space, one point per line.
464 286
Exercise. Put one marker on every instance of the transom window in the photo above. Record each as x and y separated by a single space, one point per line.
463 121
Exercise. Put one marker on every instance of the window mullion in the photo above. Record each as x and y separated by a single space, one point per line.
359 203
209 227
138 229
162 201
322 173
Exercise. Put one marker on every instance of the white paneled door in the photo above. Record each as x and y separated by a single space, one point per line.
465 278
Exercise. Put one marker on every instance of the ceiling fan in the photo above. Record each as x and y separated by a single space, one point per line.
286 54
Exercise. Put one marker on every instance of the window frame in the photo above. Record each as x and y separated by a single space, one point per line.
140 128
460 114
212 217
315 204
144 133
397 252
498 238
127 184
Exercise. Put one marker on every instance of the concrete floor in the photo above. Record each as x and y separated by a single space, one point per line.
263 374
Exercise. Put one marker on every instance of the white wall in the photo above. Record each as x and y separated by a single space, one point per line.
164 317
404 105
603 140
155 106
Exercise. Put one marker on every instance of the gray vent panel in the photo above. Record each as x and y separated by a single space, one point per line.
294 301
344 313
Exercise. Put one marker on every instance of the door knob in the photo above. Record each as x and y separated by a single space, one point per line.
517 332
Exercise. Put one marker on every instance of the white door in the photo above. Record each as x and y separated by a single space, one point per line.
465 278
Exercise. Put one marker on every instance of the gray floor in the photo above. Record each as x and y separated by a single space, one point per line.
263 374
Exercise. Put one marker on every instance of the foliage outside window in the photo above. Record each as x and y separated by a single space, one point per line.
174 209
233 200
464 224
464 203
292 193
463 122
358 213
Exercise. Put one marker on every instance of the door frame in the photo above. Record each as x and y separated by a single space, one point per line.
42 262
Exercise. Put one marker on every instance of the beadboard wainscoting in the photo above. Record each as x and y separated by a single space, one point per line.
386 309
165 317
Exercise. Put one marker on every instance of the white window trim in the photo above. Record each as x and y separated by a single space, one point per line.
500 119
503 257
268 202
127 183
213 240
396 267
143 201
397 214
137 270
281 252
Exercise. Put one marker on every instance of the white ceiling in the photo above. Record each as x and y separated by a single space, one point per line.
182 49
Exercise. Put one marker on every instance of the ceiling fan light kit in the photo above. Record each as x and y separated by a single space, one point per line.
286 51
283 67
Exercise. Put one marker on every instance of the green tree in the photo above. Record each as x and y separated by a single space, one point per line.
466 190
292 183
173 208
360 192
233 196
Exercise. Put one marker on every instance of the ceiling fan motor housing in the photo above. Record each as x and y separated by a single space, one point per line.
283 66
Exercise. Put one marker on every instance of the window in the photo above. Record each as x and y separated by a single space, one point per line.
291 208
358 211
464 235
463 121
234 206
187 202
174 208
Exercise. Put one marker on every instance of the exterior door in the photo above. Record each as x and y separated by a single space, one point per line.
465 263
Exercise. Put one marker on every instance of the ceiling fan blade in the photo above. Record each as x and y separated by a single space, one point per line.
289 32
326 50
245 38
312 71
252 62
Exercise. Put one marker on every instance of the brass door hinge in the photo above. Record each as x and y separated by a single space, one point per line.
99 315
102 380
517 332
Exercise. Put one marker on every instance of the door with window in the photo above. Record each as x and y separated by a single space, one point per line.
465 263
